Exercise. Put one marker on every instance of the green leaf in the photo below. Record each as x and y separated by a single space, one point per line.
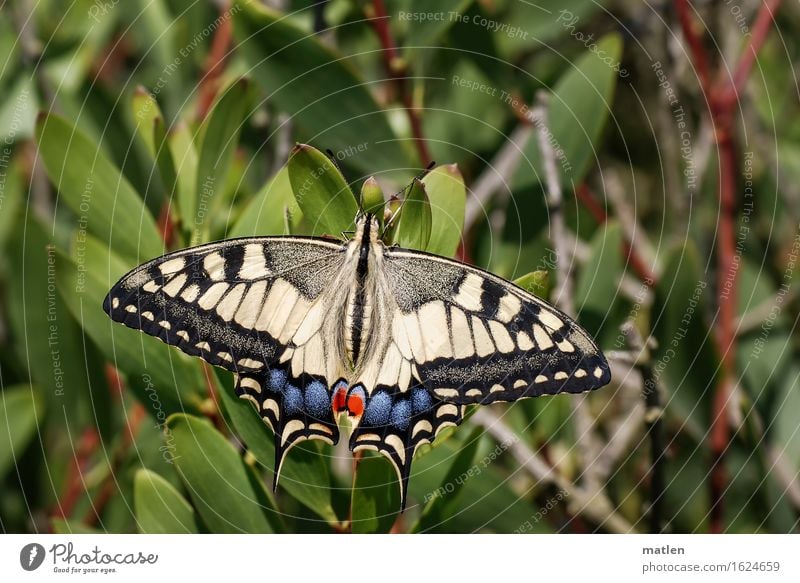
686 360
164 161
321 192
11 203
95 190
219 138
544 20
372 199
265 214
304 476
47 338
184 155
320 89
445 188
536 283
579 107
597 295
428 32
376 496
443 502
160 508
145 113
18 110
215 477
20 411
414 225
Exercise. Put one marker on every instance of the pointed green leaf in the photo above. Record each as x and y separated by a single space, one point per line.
321 90
215 477
372 199
536 283
219 138
184 156
304 476
414 226
376 496
20 411
445 188
95 190
160 508
321 192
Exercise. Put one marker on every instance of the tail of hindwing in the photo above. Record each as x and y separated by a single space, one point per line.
294 408
396 423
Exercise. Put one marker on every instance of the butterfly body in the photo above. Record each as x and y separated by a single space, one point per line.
398 340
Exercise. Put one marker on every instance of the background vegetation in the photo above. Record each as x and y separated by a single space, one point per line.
634 162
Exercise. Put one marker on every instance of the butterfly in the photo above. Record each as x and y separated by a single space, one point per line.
398 340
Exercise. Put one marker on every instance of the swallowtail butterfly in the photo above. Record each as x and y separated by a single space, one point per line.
399 340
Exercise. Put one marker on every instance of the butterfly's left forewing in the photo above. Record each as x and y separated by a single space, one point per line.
255 307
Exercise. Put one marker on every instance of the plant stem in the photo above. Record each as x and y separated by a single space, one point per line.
722 97
215 63
397 70
653 418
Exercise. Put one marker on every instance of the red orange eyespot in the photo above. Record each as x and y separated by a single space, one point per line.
339 402
355 404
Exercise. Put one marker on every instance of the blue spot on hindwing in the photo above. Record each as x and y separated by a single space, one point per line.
378 409
421 399
401 414
292 400
317 401
277 380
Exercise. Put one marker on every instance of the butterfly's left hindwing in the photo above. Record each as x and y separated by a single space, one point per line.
250 306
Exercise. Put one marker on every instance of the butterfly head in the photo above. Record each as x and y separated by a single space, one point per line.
367 229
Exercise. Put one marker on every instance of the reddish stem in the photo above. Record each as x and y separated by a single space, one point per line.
215 63
695 43
761 28
86 447
109 486
722 98
396 69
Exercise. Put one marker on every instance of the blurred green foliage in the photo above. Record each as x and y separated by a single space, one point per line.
150 138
